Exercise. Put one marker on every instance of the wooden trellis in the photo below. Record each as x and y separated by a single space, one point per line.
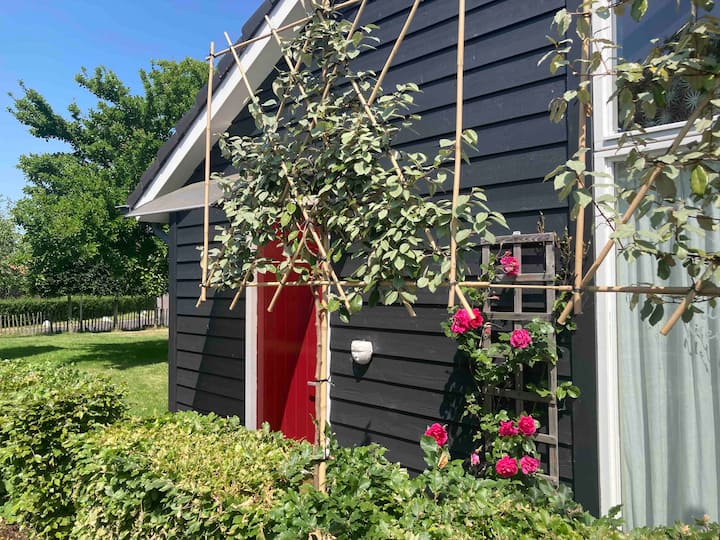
536 254
327 277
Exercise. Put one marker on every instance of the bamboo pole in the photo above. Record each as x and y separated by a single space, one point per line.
394 51
206 206
245 283
640 195
458 152
322 380
689 297
582 142
287 26
288 271
631 289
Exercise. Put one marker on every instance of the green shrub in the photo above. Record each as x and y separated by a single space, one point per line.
56 309
372 498
41 409
183 475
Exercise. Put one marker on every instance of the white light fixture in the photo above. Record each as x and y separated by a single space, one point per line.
361 351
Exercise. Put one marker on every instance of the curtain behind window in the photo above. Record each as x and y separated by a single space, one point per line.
669 391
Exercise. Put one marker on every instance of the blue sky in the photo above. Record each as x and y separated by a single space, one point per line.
45 43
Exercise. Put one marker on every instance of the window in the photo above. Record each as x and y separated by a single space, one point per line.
634 38
658 397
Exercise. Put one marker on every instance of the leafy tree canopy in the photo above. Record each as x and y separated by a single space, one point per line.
12 269
77 239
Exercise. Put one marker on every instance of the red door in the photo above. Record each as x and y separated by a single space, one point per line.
286 352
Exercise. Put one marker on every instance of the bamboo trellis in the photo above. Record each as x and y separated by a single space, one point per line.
328 276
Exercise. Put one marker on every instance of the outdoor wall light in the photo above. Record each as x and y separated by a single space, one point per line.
361 351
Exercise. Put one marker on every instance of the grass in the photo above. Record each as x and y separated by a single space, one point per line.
135 360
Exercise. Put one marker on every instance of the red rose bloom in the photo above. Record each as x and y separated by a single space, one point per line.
437 432
529 465
510 264
520 338
474 459
506 467
526 425
462 322
507 429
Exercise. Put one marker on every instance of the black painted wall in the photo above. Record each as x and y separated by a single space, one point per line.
207 343
414 378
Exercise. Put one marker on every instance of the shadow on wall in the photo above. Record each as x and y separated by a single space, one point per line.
453 406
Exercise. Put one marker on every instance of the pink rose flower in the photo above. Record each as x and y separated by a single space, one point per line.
529 465
506 467
437 432
510 264
462 322
507 429
526 425
520 338
474 459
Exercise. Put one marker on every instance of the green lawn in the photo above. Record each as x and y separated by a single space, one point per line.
136 360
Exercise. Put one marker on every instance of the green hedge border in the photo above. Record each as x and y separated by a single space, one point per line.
56 309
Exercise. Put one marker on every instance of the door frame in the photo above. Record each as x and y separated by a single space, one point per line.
251 359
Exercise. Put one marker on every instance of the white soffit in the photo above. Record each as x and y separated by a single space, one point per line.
186 198
229 98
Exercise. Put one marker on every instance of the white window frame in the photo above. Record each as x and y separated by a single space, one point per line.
605 155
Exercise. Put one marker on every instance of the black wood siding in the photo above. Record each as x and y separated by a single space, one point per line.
207 343
415 377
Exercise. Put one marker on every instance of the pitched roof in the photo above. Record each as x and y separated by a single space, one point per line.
185 149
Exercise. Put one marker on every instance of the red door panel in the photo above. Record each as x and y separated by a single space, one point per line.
286 352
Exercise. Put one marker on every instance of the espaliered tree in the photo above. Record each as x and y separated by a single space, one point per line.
668 202
77 238
323 180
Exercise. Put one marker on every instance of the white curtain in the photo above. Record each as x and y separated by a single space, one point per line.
669 391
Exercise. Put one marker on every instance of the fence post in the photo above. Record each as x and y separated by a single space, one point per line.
116 303
69 314
82 325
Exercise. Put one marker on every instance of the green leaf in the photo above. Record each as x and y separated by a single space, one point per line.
391 297
698 180
639 7
356 303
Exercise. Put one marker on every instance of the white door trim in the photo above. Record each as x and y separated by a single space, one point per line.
251 359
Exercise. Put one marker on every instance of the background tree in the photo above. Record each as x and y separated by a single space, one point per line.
12 268
77 239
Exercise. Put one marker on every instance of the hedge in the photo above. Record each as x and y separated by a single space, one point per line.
41 409
56 309
73 473
184 476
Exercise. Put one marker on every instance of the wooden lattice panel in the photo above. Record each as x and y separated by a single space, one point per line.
510 309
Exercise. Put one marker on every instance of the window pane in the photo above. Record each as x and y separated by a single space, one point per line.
669 390
663 17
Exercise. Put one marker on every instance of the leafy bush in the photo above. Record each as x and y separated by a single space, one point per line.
183 476
40 411
56 309
372 498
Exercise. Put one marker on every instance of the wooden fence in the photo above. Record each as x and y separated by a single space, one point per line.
33 324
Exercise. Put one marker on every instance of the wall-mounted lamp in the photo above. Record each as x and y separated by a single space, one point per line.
361 351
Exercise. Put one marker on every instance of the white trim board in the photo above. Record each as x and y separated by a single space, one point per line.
229 98
251 359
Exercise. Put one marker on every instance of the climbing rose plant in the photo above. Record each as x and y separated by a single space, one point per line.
321 163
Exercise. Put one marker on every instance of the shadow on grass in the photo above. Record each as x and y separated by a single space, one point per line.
14 353
121 355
